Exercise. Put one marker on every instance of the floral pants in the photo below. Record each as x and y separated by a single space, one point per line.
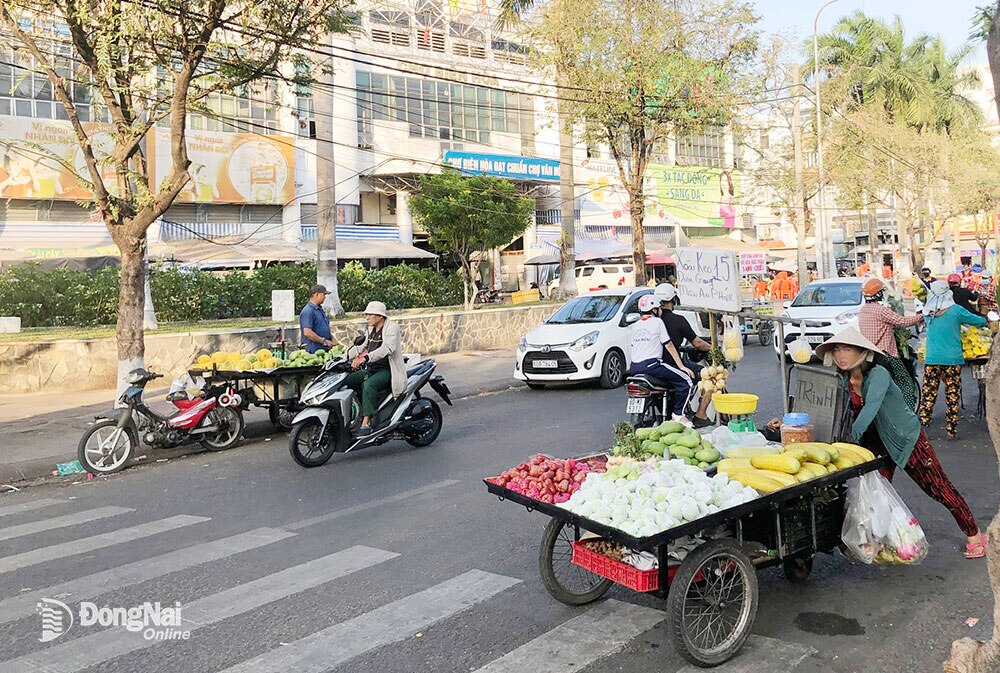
952 377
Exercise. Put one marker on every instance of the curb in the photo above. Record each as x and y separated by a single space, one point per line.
38 468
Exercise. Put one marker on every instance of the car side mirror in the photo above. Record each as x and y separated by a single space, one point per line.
631 318
359 340
786 304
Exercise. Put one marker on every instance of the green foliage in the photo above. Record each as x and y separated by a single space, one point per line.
66 297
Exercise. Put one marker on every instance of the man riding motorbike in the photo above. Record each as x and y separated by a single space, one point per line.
679 330
382 359
649 340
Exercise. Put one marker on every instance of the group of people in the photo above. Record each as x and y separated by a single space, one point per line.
886 404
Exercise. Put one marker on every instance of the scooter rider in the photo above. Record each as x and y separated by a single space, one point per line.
679 330
382 359
649 339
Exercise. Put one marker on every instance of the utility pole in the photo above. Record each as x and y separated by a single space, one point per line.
326 186
567 197
799 202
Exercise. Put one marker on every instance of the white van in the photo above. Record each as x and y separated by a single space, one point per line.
594 277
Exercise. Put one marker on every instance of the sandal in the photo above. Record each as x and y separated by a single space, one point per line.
976 549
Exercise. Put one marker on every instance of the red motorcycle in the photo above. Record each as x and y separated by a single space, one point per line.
213 417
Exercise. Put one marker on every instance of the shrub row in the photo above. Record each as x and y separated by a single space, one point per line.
67 297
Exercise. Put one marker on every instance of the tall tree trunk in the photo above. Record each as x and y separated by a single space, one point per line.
131 302
799 200
637 213
967 655
567 195
326 190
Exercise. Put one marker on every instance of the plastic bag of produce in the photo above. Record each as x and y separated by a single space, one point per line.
879 528
732 339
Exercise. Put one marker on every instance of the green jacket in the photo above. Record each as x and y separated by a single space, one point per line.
895 421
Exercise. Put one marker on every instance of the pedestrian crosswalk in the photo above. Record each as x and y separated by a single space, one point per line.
581 637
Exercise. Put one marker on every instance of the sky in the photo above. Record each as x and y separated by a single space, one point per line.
951 19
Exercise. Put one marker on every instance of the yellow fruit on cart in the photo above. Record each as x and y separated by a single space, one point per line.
205 360
264 355
244 365
218 357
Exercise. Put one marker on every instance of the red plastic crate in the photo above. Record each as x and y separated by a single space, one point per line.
616 571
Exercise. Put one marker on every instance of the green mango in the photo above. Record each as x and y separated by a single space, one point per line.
670 439
646 443
703 465
643 433
655 434
705 444
670 427
708 455
656 448
678 451
691 461
690 441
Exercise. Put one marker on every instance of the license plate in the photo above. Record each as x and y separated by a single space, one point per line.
546 364
635 405
810 339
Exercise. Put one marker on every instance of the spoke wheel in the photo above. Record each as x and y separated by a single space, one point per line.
230 424
712 603
309 445
104 448
567 583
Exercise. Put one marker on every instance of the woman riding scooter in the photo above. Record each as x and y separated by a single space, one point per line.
382 359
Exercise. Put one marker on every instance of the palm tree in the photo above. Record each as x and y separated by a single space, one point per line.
511 12
947 108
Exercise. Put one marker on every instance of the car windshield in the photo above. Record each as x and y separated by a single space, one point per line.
587 309
829 294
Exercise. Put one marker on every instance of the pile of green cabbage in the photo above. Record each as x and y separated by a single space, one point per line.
643 498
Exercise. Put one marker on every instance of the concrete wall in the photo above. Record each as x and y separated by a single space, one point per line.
72 365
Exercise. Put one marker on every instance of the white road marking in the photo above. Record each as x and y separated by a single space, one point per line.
30 505
86 544
388 624
118 577
74 519
405 495
82 653
762 655
601 631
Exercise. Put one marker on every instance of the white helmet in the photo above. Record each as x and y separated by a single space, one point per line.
665 292
647 303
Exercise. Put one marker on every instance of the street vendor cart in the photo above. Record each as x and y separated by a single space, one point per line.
712 593
277 389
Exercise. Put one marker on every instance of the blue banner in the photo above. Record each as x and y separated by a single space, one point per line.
504 166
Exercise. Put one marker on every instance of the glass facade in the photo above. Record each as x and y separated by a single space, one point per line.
703 149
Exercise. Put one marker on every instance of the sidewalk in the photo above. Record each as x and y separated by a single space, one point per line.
39 430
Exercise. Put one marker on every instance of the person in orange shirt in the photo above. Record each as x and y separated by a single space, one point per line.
863 270
760 289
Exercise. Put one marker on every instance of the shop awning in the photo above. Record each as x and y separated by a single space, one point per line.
542 260
375 249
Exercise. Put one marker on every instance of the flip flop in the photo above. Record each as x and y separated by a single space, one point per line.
976 549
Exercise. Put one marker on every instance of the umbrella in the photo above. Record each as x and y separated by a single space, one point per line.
542 260
658 258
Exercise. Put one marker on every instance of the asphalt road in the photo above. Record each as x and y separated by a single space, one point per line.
397 560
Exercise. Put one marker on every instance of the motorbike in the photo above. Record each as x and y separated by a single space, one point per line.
650 399
212 417
332 414
489 296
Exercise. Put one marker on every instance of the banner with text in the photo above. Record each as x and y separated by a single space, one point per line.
698 197
231 167
504 166
753 263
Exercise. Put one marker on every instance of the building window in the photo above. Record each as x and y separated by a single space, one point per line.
433 109
702 149
304 111
254 109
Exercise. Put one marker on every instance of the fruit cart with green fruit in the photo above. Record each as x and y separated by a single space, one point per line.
275 385
705 568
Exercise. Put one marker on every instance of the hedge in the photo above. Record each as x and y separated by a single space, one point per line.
66 297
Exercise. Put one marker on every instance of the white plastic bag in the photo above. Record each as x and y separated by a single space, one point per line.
723 439
879 529
732 339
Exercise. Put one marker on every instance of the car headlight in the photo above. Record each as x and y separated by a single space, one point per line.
522 345
846 317
586 341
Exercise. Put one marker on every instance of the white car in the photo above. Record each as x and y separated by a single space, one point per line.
834 303
587 338
594 277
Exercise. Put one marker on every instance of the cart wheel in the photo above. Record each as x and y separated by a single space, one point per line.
712 603
281 418
765 333
797 569
567 583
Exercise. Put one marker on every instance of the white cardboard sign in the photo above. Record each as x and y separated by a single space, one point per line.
282 305
708 279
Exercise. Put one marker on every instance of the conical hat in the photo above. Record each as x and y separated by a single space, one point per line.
849 337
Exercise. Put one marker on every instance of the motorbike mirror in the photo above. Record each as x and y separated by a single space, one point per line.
359 340
631 318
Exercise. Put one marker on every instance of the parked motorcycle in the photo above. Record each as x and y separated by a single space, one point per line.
332 414
489 296
212 417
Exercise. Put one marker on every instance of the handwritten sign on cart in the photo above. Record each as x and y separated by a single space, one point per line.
708 279
819 392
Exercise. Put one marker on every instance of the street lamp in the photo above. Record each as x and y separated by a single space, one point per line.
826 264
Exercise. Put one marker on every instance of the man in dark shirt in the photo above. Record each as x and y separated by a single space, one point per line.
926 278
967 299
313 321
680 330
